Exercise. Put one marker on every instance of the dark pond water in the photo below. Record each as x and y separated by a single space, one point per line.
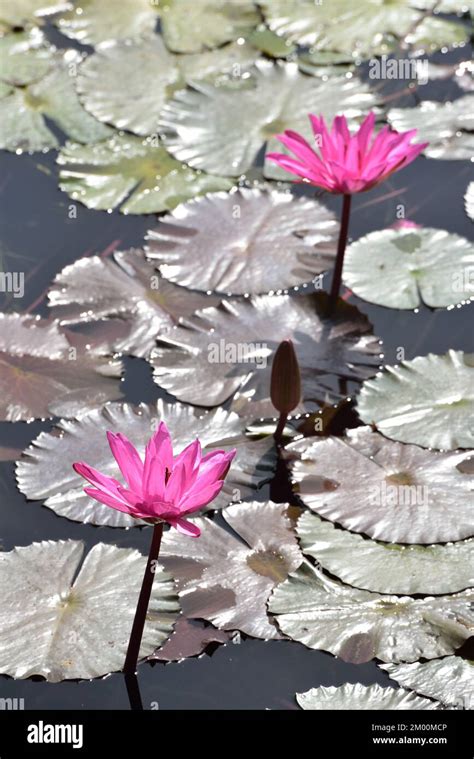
37 237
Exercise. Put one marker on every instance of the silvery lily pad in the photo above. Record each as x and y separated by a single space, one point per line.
365 28
135 175
65 626
389 491
227 578
45 472
106 20
24 111
43 374
247 241
469 201
447 127
222 129
190 637
125 289
361 697
358 626
226 352
449 680
148 70
20 13
401 268
25 57
190 27
427 401
387 567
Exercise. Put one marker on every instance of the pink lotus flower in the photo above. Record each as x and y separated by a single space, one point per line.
347 164
163 488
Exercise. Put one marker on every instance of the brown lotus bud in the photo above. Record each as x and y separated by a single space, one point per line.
285 387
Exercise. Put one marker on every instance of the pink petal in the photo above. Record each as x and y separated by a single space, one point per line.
158 460
128 459
100 481
198 498
109 500
187 528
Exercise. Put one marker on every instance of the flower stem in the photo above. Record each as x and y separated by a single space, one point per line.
341 249
278 434
136 635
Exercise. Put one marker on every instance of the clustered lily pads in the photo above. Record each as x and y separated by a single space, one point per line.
175 109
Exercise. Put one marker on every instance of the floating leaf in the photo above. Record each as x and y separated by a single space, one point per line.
387 567
449 680
469 201
125 288
361 697
190 27
152 74
358 626
24 111
389 491
106 21
427 401
325 63
446 126
226 352
19 13
42 374
222 129
45 472
247 241
227 580
25 57
366 28
401 268
270 43
190 637
63 625
136 175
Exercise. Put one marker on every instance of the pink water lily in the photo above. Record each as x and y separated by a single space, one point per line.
347 163
163 487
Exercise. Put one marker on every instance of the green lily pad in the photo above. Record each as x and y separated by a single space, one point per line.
447 127
449 680
190 27
63 624
24 110
245 241
270 43
108 20
386 490
45 471
365 28
401 268
132 174
358 626
222 129
20 13
387 567
361 697
427 401
25 57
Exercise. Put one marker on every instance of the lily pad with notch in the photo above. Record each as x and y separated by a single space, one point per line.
245 241
65 618
45 470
